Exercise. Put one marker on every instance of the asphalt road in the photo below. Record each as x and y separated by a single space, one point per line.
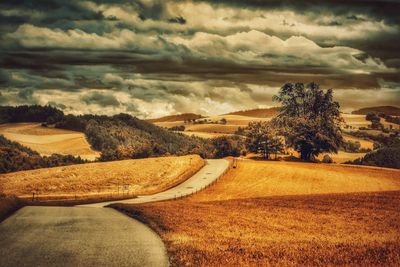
77 236
205 176
83 236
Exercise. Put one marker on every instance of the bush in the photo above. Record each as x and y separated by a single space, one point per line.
327 159
384 157
228 146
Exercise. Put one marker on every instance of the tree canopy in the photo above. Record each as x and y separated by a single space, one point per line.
309 119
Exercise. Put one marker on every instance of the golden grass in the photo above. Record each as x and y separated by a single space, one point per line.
283 214
205 135
144 176
253 179
47 140
351 229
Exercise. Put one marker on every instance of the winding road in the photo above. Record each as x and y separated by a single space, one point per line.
90 235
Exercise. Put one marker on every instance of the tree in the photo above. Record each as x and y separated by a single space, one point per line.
261 137
228 146
309 119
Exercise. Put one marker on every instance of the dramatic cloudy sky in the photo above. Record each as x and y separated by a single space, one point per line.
152 57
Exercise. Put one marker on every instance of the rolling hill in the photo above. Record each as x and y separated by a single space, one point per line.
178 117
258 113
387 110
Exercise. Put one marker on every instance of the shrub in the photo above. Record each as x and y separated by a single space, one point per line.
327 159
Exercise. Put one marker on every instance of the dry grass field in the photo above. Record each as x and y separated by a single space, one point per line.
205 135
364 143
283 214
47 140
144 176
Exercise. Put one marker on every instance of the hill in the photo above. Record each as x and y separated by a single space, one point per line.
178 117
258 113
141 176
48 140
16 157
283 214
387 110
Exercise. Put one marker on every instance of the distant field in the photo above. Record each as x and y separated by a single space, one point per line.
358 121
283 214
144 176
205 135
47 141
364 143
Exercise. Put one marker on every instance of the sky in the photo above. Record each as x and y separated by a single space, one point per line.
151 58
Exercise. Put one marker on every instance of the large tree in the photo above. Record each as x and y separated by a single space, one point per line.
261 137
309 119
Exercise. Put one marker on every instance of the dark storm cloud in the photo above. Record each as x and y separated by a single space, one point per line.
134 56
101 99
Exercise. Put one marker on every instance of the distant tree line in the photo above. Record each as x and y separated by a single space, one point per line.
15 157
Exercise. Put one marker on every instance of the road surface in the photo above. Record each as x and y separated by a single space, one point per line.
213 169
84 236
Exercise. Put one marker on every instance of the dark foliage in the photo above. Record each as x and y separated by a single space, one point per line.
262 137
228 146
33 113
309 119
15 157
179 128
384 157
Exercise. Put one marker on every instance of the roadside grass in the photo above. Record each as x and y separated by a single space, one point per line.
283 214
101 181
8 205
359 229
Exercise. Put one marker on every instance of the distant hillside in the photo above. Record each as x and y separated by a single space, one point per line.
117 137
178 117
259 112
15 157
387 110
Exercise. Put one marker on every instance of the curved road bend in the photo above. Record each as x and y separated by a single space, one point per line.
213 169
81 236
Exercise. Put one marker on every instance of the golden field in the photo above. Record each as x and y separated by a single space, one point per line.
47 140
283 214
144 176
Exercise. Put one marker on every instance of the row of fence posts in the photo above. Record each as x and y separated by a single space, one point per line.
123 190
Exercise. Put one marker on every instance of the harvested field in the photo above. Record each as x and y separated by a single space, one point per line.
350 229
47 140
144 176
283 214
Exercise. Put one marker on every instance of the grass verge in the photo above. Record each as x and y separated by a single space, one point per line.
8 205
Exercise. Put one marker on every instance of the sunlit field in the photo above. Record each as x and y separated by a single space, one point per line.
134 177
281 213
47 140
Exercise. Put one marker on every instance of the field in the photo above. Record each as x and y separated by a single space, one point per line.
285 214
47 141
357 121
141 176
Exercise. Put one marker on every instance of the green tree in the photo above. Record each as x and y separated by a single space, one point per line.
309 119
261 137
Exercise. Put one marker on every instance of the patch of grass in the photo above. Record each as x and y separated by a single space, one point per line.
8 205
